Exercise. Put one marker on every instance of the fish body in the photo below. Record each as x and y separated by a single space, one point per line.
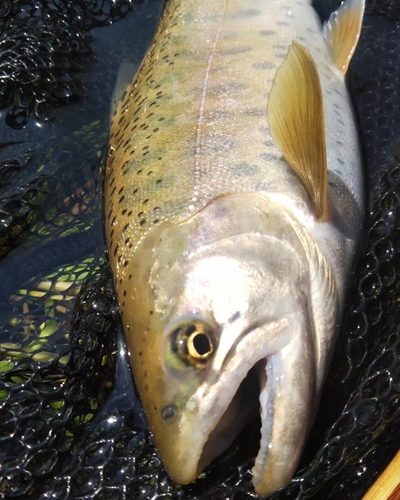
229 269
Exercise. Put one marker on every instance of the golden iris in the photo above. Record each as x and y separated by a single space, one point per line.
195 342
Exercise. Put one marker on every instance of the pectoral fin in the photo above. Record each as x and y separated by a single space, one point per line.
296 120
342 31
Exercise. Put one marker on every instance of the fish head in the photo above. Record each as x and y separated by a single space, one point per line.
218 329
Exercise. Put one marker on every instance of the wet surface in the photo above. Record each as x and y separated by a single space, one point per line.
71 425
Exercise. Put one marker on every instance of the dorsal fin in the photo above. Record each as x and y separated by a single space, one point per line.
296 120
126 72
342 31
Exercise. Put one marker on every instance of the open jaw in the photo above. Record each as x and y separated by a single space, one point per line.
243 409
276 379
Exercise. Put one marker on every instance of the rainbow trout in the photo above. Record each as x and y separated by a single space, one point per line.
233 208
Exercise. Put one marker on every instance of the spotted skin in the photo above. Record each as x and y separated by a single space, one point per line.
181 135
191 128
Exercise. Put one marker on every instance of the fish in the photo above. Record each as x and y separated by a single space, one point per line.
234 206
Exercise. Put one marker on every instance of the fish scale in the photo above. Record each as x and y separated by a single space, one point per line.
221 262
200 123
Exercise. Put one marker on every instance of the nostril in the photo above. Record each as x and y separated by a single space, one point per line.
168 412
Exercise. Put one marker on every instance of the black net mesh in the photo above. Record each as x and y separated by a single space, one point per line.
71 425
44 48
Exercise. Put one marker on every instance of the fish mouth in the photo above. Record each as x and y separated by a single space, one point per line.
264 379
243 409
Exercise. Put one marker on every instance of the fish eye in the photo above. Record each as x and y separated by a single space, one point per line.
195 342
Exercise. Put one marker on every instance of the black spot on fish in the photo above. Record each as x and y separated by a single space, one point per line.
244 169
263 65
125 227
142 222
126 263
268 156
225 89
242 14
255 112
235 50
235 317
122 199
267 32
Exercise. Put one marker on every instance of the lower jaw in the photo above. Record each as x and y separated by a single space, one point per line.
241 422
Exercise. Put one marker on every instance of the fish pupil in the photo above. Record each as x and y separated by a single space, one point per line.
202 344
194 342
